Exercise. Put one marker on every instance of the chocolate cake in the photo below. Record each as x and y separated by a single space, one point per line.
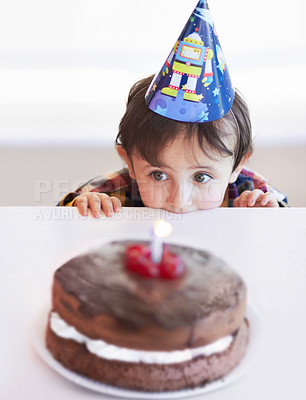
130 331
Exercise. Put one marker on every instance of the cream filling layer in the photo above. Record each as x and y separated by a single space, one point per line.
111 352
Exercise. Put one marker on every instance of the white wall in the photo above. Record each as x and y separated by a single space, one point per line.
66 65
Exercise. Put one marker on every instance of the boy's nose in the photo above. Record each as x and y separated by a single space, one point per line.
180 195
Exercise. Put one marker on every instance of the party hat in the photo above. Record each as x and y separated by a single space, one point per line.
194 84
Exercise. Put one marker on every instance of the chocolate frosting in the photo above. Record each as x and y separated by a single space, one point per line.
101 285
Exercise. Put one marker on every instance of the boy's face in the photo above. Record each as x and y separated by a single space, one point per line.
187 180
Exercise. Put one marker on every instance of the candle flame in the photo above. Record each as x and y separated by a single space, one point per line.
162 228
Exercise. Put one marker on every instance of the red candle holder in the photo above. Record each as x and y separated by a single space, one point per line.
138 259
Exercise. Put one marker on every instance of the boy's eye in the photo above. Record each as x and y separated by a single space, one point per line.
158 175
201 178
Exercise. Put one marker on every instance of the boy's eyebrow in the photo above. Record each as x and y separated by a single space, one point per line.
158 165
193 166
206 167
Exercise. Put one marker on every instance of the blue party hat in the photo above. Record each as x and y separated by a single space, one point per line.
194 84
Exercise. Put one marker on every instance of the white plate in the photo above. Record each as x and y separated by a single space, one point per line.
252 350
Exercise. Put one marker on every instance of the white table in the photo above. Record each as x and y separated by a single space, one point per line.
266 246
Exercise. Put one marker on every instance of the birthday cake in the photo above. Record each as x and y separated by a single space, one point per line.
145 333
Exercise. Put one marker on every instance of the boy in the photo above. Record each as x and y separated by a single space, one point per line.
185 137
178 166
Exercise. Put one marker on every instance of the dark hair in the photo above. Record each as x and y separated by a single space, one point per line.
147 133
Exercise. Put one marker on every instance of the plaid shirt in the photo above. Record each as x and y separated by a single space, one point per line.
121 185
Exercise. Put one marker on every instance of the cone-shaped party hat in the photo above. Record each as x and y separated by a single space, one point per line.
194 84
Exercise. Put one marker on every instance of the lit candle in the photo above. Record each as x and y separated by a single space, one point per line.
155 260
161 229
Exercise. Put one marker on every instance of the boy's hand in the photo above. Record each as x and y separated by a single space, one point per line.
97 202
255 198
